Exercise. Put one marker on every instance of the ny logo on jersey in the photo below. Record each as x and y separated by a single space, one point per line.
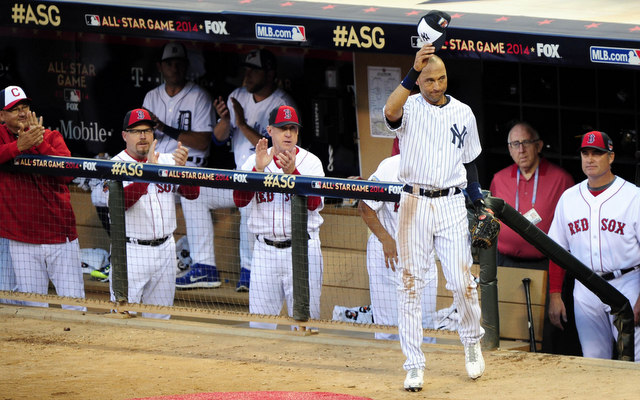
457 134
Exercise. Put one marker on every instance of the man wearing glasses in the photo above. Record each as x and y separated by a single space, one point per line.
150 216
37 219
533 186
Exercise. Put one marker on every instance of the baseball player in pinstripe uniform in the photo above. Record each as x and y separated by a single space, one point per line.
183 111
270 220
598 221
439 141
382 257
150 217
244 119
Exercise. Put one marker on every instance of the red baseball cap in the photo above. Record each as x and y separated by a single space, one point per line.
135 117
597 140
11 96
283 115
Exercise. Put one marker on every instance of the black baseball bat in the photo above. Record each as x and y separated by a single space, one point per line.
532 333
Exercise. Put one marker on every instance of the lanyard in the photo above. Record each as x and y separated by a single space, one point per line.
535 188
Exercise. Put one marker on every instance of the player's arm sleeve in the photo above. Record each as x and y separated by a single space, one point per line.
556 277
53 145
189 192
242 198
313 202
556 233
8 151
133 192
473 186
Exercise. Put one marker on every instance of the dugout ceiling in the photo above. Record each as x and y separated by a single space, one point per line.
563 33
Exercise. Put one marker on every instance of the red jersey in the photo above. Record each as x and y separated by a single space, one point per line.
35 208
552 182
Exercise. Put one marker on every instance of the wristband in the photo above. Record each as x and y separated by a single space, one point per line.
409 81
474 191
171 132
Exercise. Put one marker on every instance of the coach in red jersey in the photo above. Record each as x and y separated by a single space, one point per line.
35 210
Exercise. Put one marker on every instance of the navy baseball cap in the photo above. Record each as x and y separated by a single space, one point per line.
260 59
135 117
12 96
431 28
283 115
597 140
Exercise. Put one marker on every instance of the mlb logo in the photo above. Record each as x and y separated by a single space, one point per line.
163 173
316 185
92 19
72 95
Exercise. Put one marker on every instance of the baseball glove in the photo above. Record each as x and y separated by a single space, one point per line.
485 229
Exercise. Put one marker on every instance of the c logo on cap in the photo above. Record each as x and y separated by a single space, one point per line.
591 138
15 92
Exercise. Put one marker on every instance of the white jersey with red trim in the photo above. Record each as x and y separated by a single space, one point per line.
189 110
153 216
601 231
256 115
270 212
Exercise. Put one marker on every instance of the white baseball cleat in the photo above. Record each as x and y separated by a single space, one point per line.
473 360
414 380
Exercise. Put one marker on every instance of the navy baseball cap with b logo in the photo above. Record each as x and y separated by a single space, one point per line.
283 115
11 96
135 117
597 140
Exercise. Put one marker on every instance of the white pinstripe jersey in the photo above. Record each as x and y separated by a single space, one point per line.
435 141
189 110
153 216
602 231
257 117
387 210
270 212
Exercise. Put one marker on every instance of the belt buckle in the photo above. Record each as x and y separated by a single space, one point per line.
133 240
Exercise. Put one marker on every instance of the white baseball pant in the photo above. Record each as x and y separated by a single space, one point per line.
441 224
151 275
35 264
272 281
594 321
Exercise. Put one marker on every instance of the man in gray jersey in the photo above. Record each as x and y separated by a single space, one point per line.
438 139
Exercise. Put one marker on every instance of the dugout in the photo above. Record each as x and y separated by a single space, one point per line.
87 62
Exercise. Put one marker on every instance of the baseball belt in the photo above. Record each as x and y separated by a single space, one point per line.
616 274
152 243
429 193
285 244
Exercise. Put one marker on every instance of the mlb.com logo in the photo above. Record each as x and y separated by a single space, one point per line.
92 19
316 184
614 55
291 33
163 173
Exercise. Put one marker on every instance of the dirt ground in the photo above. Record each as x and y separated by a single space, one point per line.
55 354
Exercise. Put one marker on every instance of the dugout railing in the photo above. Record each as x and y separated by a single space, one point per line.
301 186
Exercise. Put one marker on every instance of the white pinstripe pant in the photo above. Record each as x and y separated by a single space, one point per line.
440 223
